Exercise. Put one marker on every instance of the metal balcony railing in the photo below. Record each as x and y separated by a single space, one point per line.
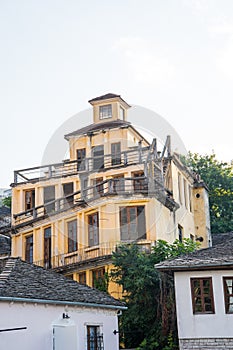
89 164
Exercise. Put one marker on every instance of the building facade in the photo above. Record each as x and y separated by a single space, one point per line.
115 188
204 296
44 310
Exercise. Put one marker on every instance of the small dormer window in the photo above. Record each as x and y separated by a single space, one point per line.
122 113
105 112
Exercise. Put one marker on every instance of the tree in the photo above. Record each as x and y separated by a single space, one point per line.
150 319
7 202
219 178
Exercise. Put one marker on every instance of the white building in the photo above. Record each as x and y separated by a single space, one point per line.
204 296
45 310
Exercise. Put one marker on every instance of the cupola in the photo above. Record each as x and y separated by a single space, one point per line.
109 107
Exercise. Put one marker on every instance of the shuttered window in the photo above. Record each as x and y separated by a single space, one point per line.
72 236
132 223
93 229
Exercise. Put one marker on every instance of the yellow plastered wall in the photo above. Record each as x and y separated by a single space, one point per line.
202 219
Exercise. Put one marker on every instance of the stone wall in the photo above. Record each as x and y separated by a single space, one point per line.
206 343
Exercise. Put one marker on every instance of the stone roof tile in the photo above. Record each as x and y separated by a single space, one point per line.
215 257
18 279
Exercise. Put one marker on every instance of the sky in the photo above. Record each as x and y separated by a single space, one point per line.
174 57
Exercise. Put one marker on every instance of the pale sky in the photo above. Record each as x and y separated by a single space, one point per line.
174 57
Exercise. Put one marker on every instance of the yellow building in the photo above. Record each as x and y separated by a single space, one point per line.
115 188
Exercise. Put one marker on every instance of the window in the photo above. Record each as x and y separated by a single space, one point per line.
202 295
180 188
93 229
29 199
122 113
94 338
117 184
185 193
81 156
139 182
98 157
29 249
132 223
228 294
82 278
72 236
190 199
98 278
116 153
98 187
68 189
47 247
180 233
105 112
49 196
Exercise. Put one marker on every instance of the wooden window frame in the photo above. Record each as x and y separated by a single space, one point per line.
94 342
29 248
116 154
139 185
68 190
81 156
82 277
93 230
72 236
97 275
105 111
47 247
29 199
227 295
98 157
180 188
185 193
129 221
202 295
180 233
49 207
118 184
98 189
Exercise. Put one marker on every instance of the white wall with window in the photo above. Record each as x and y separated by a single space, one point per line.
92 326
210 317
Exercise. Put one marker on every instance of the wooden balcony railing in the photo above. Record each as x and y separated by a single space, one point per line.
89 164
87 253
109 187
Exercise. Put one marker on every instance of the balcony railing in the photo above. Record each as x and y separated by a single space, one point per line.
109 187
89 164
88 253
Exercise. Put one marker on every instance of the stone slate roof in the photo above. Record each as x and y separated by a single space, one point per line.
100 126
5 245
4 211
107 97
19 279
104 97
219 256
218 238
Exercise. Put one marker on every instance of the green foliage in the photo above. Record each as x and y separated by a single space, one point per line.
150 319
7 202
219 178
101 283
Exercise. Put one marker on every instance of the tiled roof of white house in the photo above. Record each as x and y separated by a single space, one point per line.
21 280
220 256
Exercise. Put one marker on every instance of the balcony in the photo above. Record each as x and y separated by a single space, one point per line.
124 187
87 254
137 155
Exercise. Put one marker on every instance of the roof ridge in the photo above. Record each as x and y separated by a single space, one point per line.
7 270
